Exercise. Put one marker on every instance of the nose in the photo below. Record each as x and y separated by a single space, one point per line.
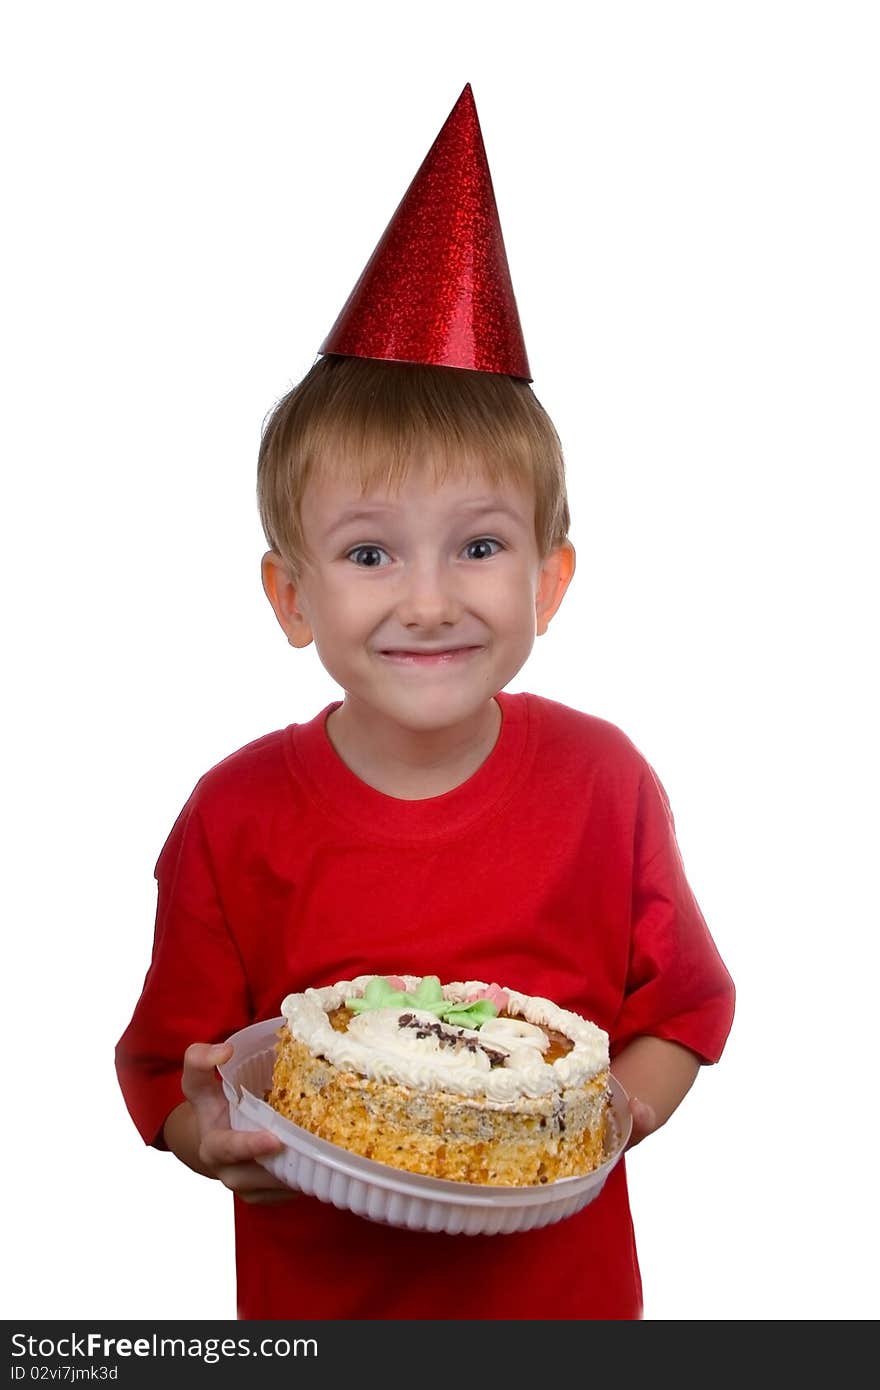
428 597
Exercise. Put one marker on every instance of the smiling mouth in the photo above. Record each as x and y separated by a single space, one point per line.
429 658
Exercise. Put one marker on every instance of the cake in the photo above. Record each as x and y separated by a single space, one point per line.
466 1081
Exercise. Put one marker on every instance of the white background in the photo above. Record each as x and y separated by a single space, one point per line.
689 198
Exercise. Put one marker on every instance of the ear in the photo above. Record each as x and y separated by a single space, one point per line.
284 596
553 580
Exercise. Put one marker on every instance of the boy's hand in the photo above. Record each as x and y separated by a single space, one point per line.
656 1075
644 1119
200 1134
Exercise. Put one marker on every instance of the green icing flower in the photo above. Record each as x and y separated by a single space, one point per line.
469 1015
381 994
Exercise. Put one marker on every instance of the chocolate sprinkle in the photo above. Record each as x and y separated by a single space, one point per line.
448 1037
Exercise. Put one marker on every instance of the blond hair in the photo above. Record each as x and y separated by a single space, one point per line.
366 420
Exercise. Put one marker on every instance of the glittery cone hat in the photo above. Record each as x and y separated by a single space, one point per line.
437 288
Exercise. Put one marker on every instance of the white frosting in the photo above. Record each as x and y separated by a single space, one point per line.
380 1030
515 1032
375 1045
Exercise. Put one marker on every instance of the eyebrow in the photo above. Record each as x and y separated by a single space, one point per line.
481 506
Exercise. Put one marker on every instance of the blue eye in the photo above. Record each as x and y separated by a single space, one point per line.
368 550
484 540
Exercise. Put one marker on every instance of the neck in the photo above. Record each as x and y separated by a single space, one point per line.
412 764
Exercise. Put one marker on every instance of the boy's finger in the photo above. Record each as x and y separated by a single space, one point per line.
226 1146
249 1178
200 1062
269 1199
204 1057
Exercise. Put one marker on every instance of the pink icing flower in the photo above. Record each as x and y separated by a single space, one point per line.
498 996
396 982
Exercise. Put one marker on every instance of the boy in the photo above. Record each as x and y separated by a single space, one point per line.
412 492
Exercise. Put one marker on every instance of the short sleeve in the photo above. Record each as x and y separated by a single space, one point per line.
195 989
677 986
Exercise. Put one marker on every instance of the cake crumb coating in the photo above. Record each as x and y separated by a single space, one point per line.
537 1139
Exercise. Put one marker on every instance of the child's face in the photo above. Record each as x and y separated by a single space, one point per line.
426 603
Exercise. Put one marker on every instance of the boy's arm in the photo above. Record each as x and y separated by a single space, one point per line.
656 1076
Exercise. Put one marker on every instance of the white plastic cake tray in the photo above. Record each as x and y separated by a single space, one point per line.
389 1195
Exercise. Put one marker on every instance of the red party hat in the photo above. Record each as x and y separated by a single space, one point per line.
437 288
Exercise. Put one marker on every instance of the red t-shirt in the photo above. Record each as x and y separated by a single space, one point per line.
553 870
